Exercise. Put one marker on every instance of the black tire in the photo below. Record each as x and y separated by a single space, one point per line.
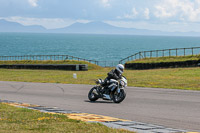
91 95
118 97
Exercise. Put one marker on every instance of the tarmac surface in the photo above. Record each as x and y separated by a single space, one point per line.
178 109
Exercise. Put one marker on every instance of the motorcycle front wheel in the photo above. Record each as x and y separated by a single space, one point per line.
91 95
118 97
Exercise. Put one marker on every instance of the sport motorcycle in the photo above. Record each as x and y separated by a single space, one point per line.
113 90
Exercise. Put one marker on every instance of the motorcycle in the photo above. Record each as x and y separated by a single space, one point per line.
114 90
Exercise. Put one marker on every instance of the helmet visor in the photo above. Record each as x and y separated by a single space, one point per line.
121 69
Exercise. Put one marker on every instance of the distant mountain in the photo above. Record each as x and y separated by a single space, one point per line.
7 26
99 28
103 28
95 27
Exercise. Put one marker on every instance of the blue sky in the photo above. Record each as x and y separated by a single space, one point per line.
165 15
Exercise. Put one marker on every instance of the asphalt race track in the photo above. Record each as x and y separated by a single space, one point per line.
179 109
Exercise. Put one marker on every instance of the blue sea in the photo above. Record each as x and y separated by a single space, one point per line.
94 47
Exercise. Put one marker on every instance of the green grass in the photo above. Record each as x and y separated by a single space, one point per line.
176 78
90 65
20 120
166 59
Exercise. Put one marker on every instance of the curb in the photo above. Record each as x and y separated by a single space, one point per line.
105 120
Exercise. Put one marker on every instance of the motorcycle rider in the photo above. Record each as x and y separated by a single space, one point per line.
113 74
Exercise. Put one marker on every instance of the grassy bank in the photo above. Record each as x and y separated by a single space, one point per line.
177 78
90 65
166 59
21 120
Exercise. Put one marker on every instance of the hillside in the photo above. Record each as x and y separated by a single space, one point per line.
6 26
95 27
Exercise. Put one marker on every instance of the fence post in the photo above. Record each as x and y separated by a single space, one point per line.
184 51
169 52
192 51
163 53
176 52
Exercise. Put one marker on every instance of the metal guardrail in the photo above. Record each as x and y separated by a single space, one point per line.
45 57
162 53
139 55
57 58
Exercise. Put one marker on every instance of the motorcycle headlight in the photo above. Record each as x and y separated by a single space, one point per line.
122 83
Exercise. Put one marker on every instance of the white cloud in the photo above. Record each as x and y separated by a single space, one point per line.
146 13
106 3
162 12
183 10
33 3
83 21
131 15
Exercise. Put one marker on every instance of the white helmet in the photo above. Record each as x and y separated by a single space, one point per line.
120 68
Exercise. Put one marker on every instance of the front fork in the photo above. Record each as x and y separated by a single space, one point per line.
118 90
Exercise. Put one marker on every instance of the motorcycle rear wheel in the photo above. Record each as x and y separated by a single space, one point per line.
91 95
118 97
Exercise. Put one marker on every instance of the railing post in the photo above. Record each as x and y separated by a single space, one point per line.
184 51
139 55
192 51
